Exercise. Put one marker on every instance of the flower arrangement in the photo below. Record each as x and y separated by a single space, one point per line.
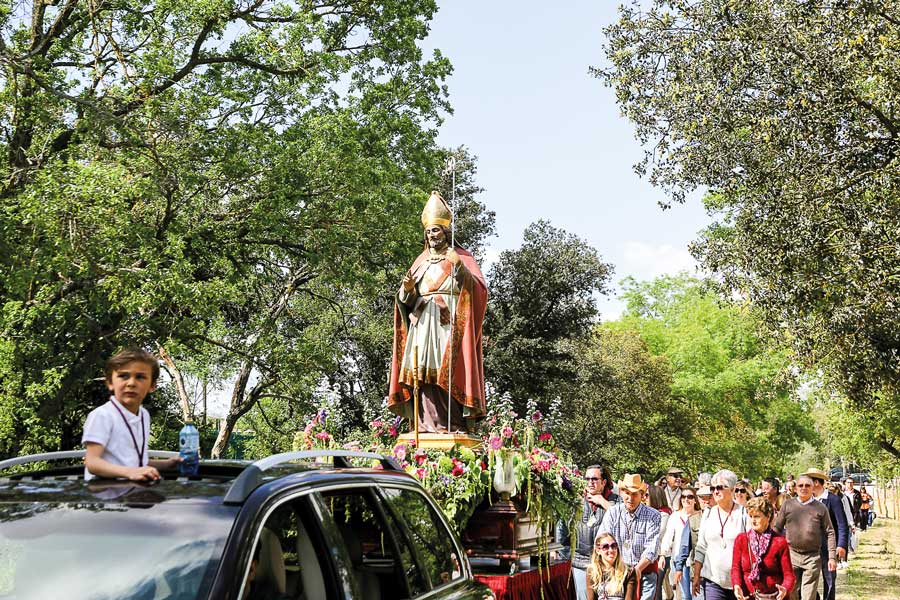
458 479
547 485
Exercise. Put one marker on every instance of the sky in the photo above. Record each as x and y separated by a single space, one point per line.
550 140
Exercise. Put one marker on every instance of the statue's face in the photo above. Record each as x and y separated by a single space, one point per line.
436 237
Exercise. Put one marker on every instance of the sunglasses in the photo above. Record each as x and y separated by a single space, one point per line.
740 491
804 485
718 488
688 496
592 478
609 546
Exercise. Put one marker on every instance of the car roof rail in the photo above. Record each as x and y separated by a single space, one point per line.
252 476
65 455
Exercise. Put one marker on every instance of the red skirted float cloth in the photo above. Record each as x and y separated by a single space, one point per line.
527 584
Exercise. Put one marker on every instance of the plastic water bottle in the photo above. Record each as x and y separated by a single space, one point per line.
189 449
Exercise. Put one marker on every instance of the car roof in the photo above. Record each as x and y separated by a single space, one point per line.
229 481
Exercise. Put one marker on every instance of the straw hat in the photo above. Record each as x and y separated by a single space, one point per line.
815 473
631 482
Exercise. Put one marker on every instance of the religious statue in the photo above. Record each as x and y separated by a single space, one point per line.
438 314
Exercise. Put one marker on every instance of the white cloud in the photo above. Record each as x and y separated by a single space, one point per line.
645 261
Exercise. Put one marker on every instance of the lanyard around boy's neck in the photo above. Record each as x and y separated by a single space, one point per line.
139 450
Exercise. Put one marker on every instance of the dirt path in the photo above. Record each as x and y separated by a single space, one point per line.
874 571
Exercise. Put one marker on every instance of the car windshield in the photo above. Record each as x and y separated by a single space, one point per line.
91 551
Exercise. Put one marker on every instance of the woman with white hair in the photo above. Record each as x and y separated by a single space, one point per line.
715 541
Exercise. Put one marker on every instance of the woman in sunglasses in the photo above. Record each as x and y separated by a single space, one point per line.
762 567
687 516
715 541
742 492
607 576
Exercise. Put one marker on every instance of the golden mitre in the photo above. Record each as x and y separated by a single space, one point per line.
436 211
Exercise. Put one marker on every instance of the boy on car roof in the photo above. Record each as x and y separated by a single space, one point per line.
115 433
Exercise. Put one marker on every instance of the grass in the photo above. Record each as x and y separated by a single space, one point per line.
874 571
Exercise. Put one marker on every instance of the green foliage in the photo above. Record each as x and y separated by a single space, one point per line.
619 410
736 405
784 112
858 436
218 178
541 298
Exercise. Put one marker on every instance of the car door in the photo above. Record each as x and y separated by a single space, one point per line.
436 548
397 544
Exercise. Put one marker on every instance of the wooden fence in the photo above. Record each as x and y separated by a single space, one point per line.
887 500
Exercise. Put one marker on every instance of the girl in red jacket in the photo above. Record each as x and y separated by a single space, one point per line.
761 565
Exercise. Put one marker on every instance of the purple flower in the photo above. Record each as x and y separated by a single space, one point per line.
496 443
566 483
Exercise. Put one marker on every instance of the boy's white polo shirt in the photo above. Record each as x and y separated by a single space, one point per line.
105 426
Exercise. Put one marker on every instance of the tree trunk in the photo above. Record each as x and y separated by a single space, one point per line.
225 430
179 382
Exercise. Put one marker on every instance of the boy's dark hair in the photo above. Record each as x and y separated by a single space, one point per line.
127 355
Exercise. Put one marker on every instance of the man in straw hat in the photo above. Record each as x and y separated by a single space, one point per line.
635 527
841 528
437 331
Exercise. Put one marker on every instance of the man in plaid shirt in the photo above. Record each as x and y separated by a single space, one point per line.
635 527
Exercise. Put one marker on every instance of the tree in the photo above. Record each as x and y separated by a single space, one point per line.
203 177
784 112
619 410
541 296
738 391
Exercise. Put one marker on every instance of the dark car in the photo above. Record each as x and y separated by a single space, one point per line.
860 478
275 529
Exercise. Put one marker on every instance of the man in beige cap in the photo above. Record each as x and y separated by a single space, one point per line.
635 527
674 479
807 526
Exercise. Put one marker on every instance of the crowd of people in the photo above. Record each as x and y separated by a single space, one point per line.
718 538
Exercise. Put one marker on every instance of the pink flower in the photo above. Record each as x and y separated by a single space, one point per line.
458 469
322 435
421 457
496 443
376 423
536 416
400 452
507 431
420 473
393 431
545 437
483 466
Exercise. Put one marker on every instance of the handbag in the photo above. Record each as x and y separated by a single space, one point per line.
762 596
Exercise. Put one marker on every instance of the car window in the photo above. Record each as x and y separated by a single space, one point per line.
381 560
289 560
429 535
